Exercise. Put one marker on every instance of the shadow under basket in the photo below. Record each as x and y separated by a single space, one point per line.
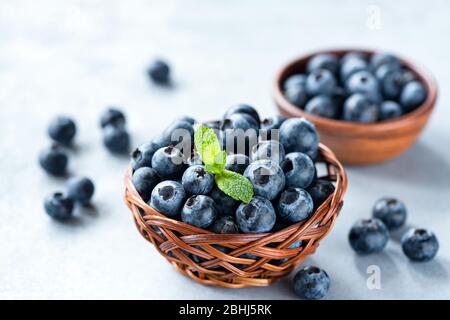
238 260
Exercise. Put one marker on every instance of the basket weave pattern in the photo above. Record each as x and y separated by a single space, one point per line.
244 259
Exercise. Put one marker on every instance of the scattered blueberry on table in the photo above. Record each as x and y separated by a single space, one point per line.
62 130
311 283
420 245
159 72
54 160
80 189
59 206
391 211
115 135
368 236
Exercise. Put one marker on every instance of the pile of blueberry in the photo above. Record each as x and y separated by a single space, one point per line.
356 87
371 235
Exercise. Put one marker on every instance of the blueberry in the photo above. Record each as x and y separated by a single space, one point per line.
199 211
112 116
144 180
194 159
320 190
142 155
270 127
311 283
256 216
225 204
239 135
215 125
168 162
188 119
299 135
80 189
159 72
116 139
364 82
413 95
225 224
360 108
59 206
420 245
298 169
294 205
266 177
196 180
237 121
368 236
379 59
354 55
167 197
326 61
243 108
62 129
391 81
296 80
179 133
350 66
391 211
390 110
268 150
54 160
237 163
296 95
320 81
322 106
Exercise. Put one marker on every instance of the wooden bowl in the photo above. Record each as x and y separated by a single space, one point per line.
356 143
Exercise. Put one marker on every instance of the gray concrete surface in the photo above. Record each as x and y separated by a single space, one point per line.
77 57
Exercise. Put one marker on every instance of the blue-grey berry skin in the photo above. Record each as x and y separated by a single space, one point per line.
311 283
368 236
413 95
199 211
299 135
196 180
179 133
382 58
112 116
225 204
359 108
188 119
168 163
391 211
350 66
257 216
390 110
270 127
320 190
391 81
420 245
80 189
267 178
353 55
237 163
243 108
116 139
299 170
168 197
322 106
295 81
268 150
294 205
326 61
62 130
297 95
365 83
159 72
58 206
54 160
241 121
144 180
320 81
225 225
142 155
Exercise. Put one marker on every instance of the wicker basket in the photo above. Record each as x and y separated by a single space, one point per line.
249 259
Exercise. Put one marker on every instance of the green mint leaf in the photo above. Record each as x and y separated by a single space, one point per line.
235 185
220 160
207 144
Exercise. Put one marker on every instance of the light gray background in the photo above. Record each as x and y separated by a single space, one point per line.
80 56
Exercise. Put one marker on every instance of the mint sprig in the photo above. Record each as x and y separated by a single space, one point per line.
213 157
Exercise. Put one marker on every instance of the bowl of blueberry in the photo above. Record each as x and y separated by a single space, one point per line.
368 106
237 202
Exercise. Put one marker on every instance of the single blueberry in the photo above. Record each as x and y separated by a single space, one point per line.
296 95
320 190
368 236
380 58
196 180
350 66
360 108
237 163
364 82
354 55
320 81
159 72
142 155
112 116
299 135
225 225
295 205
59 206
243 108
270 127
168 163
268 150
420 245
80 189
256 216
167 198
413 95
299 170
237 121
391 81
144 180
179 133
311 283
199 211
326 61
267 178
390 110
225 204
322 106
391 211
62 130
116 139
296 80
54 160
